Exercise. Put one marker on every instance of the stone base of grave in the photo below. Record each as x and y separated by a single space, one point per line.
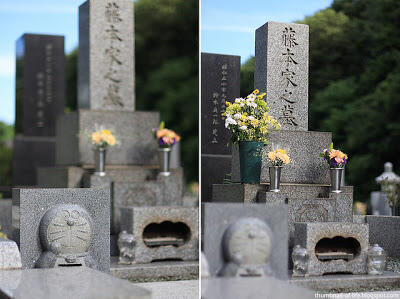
238 192
133 130
163 233
345 283
304 148
155 271
334 247
215 169
130 185
30 153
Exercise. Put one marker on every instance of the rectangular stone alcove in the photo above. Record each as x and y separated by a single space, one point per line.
334 247
162 233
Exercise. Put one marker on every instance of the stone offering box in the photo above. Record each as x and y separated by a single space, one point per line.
245 240
334 247
163 233
62 227
10 258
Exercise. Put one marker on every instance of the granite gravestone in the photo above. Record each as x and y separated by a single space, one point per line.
106 75
220 82
281 70
223 227
62 227
106 91
40 84
40 99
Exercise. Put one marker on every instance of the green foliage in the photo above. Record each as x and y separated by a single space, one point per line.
355 84
72 80
166 70
247 77
6 136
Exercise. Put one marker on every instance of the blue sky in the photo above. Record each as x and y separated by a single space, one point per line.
26 16
228 27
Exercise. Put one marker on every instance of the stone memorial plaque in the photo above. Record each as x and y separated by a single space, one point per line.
220 82
106 55
62 227
40 84
281 70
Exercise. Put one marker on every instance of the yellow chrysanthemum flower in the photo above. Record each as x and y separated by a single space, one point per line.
256 91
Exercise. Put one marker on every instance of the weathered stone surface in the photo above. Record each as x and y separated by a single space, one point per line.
220 82
40 84
60 177
164 191
148 224
41 153
32 205
216 218
214 169
10 258
5 216
155 271
106 56
303 148
308 235
383 230
69 282
350 283
255 288
136 145
281 70
237 192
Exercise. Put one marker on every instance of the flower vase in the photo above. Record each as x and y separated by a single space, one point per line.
100 161
336 179
275 178
164 160
250 154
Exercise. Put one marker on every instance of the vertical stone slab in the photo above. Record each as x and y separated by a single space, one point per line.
220 82
40 84
281 70
106 55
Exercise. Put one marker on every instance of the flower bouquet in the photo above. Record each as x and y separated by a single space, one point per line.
250 122
337 160
277 158
166 139
101 140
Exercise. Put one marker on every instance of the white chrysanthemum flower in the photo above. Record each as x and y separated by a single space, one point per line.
251 97
230 121
251 117
237 116
243 128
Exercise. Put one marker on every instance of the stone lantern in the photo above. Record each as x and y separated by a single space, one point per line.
389 182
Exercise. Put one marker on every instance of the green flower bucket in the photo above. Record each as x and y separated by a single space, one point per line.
250 155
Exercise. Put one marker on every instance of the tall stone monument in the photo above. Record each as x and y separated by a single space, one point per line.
220 82
40 99
281 70
106 101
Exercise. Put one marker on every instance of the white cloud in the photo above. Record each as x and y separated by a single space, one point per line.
7 65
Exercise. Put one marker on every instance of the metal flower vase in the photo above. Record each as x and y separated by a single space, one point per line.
336 179
100 161
275 178
250 154
164 159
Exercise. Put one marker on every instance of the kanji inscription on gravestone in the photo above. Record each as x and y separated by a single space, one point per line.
220 82
281 70
106 55
40 84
